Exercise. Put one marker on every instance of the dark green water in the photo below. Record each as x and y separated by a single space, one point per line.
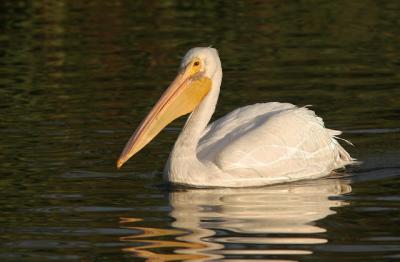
76 77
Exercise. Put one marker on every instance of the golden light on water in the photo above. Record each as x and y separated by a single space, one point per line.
265 217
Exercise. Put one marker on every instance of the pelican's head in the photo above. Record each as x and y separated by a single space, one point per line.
191 85
206 56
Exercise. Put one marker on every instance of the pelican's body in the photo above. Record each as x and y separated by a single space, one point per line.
255 145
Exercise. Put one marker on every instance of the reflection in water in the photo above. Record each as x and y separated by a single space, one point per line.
240 223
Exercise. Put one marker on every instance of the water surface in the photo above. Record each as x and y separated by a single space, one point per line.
76 78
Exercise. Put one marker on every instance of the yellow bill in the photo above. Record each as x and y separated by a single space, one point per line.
182 96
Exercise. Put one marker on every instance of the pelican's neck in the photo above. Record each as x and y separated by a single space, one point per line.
186 144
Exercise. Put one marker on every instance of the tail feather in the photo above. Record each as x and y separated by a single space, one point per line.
343 158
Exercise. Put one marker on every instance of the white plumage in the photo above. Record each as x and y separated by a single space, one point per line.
260 144
272 143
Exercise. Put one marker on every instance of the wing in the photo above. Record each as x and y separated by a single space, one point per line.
223 131
273 139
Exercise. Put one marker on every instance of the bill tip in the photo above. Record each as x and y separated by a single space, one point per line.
119 163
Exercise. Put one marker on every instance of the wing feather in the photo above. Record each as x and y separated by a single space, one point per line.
273 139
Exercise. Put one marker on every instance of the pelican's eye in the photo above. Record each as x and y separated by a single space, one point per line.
196 66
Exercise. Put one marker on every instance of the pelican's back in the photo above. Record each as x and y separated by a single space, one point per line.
275 142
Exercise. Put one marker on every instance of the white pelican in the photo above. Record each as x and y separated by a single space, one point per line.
255 145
